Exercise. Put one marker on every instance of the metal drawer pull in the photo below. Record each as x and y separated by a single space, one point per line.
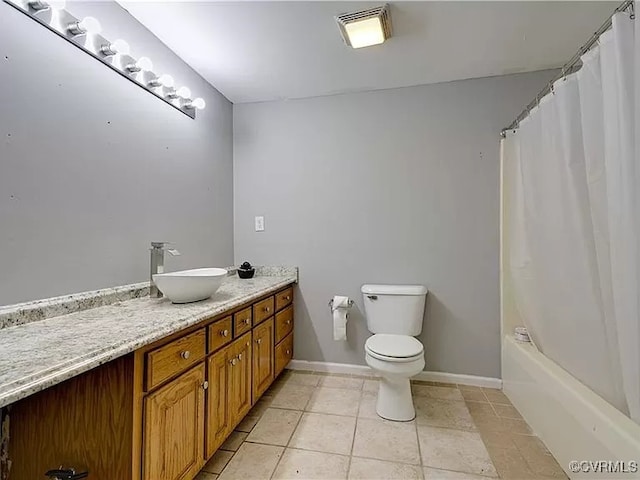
224 333
259 341
240 357
233 362
288 322
69 474
288 352
266 309
186 354
288 297
247 321
205 385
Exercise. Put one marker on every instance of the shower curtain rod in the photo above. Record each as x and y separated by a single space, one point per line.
571 65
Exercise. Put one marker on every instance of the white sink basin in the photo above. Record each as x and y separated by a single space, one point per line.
190 285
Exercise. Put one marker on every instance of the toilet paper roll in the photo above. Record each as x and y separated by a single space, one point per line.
340 311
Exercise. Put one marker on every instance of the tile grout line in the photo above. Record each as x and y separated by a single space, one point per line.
355 429
418 441
302 412
479 430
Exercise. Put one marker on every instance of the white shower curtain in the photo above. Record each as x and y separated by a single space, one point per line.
574 219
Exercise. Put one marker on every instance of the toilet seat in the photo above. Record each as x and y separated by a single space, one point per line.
394 348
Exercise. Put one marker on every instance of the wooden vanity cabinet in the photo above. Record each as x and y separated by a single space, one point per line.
284 329
174 428
86 422
283 354
168 360
241 379
229 392
284 323
220 333
161 412
263 357
284 298
263 310
218 400
242 321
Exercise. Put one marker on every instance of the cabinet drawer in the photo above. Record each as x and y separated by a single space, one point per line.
170 359
284 298
263 310
284 323
220 333
241 322
284 353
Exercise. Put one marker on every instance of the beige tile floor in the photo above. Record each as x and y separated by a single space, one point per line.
313 426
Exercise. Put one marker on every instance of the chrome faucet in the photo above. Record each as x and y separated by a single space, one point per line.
157 264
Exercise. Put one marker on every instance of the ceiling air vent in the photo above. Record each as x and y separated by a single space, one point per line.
366 27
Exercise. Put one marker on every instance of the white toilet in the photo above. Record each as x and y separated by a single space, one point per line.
394 315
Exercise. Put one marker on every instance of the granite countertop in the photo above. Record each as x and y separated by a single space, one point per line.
43 353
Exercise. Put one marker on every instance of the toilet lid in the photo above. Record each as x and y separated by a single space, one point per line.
394 346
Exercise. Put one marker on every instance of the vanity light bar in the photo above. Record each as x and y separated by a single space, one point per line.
85 34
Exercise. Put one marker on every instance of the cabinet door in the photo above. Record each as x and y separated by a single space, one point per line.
263 369
241 379
174 428
284 353
219 401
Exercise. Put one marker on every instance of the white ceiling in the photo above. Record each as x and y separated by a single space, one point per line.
261 51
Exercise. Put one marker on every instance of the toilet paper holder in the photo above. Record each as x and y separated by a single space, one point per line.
331 303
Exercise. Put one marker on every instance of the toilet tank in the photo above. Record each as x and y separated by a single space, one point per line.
396 309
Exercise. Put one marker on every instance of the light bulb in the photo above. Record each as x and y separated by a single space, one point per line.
166 80
184 92
198 103
118 47
88 25
143 63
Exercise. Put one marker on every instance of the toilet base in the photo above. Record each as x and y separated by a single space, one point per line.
394 400
394 394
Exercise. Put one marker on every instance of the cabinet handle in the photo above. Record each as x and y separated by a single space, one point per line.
224 333
288 352
259 341
288 297
233 362
288 322
205 385
248 343
186 354
266 309
240 357
247 321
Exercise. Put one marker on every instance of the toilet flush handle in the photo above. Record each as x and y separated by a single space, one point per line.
372 297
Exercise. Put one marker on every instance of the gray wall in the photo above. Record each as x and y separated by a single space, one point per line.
92 167
395 186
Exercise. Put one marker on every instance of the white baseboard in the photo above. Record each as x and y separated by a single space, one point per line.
328 367
346 368
460 379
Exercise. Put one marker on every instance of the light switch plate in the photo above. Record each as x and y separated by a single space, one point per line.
259 224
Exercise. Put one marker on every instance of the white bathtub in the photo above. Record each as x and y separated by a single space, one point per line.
573 421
